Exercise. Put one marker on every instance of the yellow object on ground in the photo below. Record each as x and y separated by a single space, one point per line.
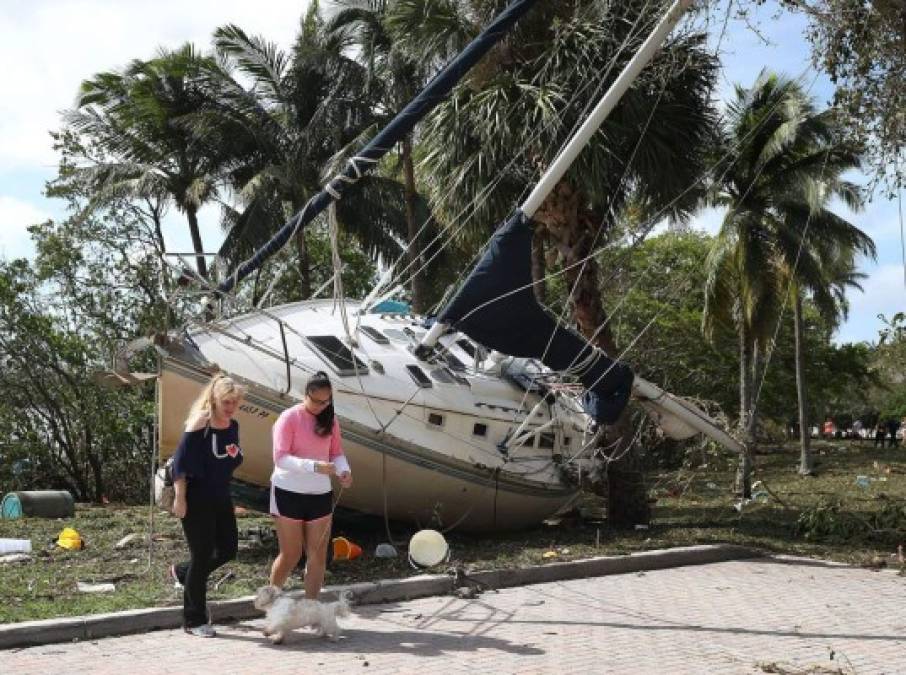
70 539
343 549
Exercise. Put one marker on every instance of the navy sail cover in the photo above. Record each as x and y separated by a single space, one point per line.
497 307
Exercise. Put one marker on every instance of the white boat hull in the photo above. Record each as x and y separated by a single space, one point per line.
395 478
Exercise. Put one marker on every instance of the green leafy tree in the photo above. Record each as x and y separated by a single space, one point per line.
61 429
859 43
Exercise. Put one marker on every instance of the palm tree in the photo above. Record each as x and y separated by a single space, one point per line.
781 164
505 122
297 120
838 274
132 119
363 25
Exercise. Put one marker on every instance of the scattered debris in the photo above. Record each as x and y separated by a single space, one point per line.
15 546
385 550
641 526
125 541
593 513
226 577
428 548
549 554
863 482
14 558
466 592
83 587
343 549
70 539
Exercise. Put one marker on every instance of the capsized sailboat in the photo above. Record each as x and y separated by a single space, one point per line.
469 423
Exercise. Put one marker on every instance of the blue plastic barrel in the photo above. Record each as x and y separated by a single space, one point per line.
11 507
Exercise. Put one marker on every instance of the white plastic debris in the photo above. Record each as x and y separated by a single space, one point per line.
125 541
15 546
428 548
83 587
14 558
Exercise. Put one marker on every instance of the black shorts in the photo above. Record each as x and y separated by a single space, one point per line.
299 505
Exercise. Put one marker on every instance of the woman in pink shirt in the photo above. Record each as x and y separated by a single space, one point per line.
307 451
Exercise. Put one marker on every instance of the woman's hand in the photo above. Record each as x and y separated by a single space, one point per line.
179 507
327 468
345 479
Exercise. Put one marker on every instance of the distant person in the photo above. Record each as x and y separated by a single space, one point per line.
892 428
879 434
857 431
829 429
202 468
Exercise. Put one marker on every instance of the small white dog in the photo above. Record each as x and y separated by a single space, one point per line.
285 612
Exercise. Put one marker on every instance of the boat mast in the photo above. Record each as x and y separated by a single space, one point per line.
568 155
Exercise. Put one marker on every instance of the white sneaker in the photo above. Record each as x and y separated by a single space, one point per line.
205 630
172 574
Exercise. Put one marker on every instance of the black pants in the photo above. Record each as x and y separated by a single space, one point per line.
213 538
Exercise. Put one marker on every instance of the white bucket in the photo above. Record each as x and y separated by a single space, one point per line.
15 546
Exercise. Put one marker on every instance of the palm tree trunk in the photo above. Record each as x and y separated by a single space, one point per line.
304 271
805 453
197 246
627 491
539 267
419 280
746 421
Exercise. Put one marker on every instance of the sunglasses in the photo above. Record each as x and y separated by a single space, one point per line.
318 401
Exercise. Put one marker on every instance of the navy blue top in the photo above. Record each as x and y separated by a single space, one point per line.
206 459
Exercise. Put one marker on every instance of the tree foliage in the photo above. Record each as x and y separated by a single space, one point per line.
861 44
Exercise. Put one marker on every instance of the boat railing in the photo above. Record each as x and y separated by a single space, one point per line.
250 342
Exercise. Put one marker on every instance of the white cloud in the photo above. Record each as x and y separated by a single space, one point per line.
55 44
15 216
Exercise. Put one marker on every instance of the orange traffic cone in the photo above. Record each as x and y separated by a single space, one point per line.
343 549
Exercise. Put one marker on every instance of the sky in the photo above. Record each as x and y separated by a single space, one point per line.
50 46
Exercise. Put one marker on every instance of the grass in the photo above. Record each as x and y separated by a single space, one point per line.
826 516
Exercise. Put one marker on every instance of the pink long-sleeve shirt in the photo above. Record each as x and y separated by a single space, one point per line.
297 447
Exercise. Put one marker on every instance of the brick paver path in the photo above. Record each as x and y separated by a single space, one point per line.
736 617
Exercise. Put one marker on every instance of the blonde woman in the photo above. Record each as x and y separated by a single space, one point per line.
202 468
